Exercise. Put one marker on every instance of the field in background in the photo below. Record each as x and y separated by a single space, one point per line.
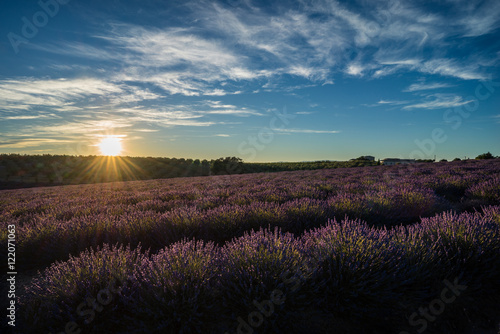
363 250
24 171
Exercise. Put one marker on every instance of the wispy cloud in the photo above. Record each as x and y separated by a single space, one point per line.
291 42
426 86
288 131
164 116
85 127
217 107
480 18
242 112
391 102
32 142
386 103
29 117
439 101
453 68
62 94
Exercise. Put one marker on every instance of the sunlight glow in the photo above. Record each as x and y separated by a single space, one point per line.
111 146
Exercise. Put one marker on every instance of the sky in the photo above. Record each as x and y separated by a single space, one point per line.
260 80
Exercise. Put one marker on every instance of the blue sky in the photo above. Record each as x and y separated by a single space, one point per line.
264 81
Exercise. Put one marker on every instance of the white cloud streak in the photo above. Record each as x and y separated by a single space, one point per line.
391 102
426 86
440 101
62 94
32 142
310 131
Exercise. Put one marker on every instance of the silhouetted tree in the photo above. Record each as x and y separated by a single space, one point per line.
227 165
485 156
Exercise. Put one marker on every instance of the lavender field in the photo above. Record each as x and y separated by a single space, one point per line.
383 249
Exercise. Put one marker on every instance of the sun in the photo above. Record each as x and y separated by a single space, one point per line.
110 146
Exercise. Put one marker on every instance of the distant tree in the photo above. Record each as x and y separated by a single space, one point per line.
362 158
457 159
443 160
485 156
227 165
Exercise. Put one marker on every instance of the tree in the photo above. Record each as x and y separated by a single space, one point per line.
485 156
457 159
361 158
227 165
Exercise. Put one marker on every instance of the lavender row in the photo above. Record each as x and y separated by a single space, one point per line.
348 276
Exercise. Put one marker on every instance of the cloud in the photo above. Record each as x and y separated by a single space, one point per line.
59 89
480 18
387 103
394 103
178 60
355 70
164 116
218 104
289 42
217 107
27 117
171 47
288 131
451 67
440 101
85 127
423 86
447 67
242 112
62 94
79 50
32 142
431 101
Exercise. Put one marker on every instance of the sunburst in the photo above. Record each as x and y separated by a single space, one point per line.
111 146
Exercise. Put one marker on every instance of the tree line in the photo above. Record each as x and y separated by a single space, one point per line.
18 170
